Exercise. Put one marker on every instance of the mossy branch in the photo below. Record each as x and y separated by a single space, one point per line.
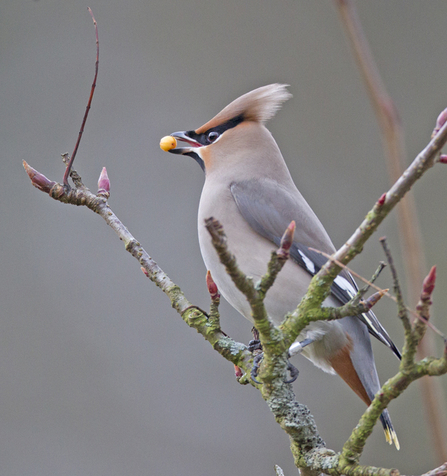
307 446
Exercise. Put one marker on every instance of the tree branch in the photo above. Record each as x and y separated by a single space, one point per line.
409 228
308 448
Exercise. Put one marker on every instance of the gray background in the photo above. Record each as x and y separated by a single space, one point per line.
98 375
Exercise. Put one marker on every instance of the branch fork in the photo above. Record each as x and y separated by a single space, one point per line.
307 446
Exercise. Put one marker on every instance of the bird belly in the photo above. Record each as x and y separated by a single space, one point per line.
253 252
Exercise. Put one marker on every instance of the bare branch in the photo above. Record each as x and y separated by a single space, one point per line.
87 109
278 260
219 241
441 471
424 304
402 310
378 289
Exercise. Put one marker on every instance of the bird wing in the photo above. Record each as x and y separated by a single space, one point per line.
269 208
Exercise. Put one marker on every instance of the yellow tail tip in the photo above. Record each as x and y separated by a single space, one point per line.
391 437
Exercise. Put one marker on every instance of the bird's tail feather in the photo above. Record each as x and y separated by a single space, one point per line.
390 433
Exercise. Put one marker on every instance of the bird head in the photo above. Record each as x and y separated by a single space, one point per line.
234 131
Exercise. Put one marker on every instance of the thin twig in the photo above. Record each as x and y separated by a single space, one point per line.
441 471
374 277
77 180
87 109
277 260
377 288
402 309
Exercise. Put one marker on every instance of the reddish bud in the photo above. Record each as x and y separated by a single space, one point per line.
38 180
440 121
375 298
238 372
381 200
428 285
104 183
145 272
212 286
443 159
287 240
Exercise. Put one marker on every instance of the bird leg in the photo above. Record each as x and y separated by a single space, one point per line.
255 347
293 371
254 370
255 343
297 347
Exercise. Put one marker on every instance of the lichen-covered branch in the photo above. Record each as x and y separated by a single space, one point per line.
307 446
309 450
409 371
320 285
235 352
409 228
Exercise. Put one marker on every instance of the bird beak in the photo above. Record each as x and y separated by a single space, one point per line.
190 151
181 136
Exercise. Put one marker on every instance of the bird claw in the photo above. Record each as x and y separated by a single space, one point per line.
254 344
254 370
294 372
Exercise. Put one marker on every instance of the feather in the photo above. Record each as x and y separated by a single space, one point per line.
259 106
255 204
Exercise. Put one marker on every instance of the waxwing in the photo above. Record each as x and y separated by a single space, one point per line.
249 189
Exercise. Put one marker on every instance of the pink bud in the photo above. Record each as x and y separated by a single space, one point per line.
212 286
443 159
381 200
238 372
442 118
428 284
287 240
440 121
145 272
104 183
38 180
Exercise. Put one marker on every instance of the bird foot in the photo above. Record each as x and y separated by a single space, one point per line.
254 344
254 370
293 371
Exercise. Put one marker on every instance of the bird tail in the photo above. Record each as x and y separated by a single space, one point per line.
390 434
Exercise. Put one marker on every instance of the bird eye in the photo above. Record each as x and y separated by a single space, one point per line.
212 136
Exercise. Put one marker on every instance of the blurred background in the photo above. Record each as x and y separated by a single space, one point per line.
98 375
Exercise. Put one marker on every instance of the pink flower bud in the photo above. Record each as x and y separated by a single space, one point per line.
145 272
440 121
212 286
381 200
287 240
238 372
428 284
104 183
38 180
442 118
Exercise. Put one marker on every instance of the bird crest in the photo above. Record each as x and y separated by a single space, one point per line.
258 105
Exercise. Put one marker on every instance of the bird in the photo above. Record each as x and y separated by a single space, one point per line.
248 188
